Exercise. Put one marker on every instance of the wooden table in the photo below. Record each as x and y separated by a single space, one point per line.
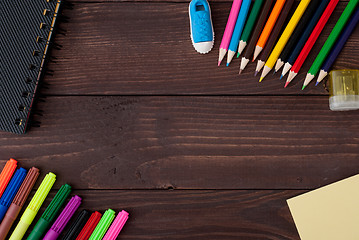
135 119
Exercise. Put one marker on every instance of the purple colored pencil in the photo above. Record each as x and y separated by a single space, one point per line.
63 219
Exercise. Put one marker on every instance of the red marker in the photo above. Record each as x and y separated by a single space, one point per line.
89 226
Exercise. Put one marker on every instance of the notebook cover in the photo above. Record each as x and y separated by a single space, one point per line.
26 29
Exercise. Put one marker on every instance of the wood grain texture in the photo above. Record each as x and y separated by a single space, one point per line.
190 142
145 49
190 215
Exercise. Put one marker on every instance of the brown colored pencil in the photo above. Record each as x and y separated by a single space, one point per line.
248 51
274 35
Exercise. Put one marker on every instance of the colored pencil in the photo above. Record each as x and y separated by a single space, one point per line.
298 31
232 18
268 27
328 45
257 31
311 40
274 35
242 16
304 37
338 46
284 38
249 25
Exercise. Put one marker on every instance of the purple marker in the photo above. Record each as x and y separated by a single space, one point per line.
63 219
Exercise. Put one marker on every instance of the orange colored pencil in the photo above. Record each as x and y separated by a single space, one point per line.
268 27
6 174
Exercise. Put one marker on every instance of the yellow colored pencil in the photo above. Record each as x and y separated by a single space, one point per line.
284 37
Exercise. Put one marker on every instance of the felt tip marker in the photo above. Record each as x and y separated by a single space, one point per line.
63 219
33 207
116 226
11 191
6 174
18 202
50 213
89 226
103 225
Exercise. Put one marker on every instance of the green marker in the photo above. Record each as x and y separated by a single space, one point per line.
328 45
50 213
103 225
249 25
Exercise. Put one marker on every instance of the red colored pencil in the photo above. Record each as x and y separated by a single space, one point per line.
311 40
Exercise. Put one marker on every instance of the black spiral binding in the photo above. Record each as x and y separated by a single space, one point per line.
26 32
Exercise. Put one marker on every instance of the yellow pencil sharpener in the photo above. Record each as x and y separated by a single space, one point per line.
344 90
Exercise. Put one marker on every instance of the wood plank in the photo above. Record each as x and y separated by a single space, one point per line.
145 49
250 215
190 142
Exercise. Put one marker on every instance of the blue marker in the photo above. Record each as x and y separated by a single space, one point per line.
305 35
241 20
11 191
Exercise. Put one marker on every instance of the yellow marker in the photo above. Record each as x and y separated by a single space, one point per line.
284 37
34 206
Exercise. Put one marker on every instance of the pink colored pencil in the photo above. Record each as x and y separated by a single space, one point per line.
226 39
116 226
311 40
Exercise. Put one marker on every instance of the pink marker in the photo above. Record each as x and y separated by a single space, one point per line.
116 226
226 39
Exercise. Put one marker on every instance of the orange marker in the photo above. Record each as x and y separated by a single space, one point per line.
6 174
268 27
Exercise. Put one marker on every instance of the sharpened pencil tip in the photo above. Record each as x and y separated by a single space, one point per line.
240 71
227 64
303 87
260 80
316 84
255 73
281 76
286 84
219 63
274 72
238 54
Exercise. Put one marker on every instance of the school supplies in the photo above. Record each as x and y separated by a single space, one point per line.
116 226
201 27
229 30
77 226
10 191
34 206
103 225
338 46
329 213
273 36
26 35
330 41
248 53
242 16
18 202
284 38
311 40
50 213
344 90
249 25
63 219
303 38
268 27
6 174
89 226
298 31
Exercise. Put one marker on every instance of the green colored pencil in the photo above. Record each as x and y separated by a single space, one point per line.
249 25
329 43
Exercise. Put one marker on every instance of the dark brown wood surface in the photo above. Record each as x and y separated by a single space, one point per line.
135 119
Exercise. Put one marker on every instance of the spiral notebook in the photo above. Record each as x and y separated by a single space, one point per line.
26 30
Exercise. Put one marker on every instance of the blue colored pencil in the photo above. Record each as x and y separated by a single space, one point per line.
241 20
305 35
338 46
